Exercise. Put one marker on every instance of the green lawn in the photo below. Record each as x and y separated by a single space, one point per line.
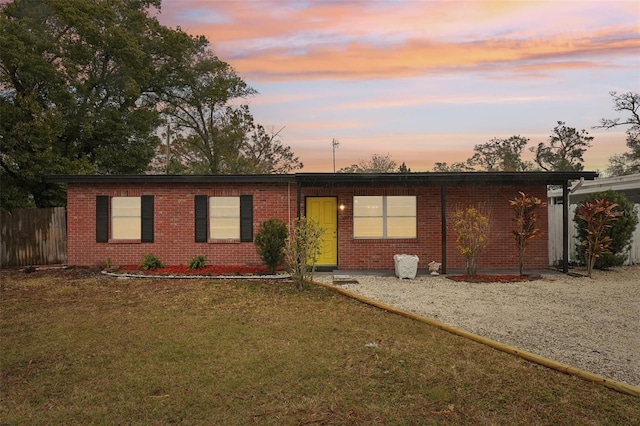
79 348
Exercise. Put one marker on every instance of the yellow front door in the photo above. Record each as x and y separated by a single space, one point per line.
324 211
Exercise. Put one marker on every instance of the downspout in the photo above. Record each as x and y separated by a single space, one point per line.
443 225
565 227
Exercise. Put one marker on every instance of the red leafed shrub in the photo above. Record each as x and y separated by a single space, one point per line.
205 270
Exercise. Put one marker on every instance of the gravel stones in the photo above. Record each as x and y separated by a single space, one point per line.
589 323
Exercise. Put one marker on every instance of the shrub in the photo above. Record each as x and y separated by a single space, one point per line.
270 242
472 228
598 217
150 262
525 207
620 231
197 262
302 250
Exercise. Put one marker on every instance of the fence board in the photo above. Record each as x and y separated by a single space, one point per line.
33 237
555 236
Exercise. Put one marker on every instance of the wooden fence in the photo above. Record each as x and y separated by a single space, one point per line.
555 236
33 237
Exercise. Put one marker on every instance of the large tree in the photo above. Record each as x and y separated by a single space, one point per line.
459 166
75 83
564 150
234 144
378 163
501 155
213 134
628 162
262 152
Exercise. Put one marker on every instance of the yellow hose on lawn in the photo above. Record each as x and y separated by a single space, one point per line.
564 368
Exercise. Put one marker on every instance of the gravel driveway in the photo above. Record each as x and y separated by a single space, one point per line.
591 324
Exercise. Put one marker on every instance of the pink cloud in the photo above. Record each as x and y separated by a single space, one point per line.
270 41
316 61
416 57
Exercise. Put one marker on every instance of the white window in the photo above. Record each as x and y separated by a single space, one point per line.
224 218
384 217
401 217
126 215
368 217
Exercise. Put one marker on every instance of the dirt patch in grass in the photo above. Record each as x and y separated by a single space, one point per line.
79 350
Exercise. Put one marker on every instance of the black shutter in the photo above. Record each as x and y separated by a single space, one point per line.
201 218
146 213
102 218
246 218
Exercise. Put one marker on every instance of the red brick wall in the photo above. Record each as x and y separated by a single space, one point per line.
501 250
174 225
378 253
173 222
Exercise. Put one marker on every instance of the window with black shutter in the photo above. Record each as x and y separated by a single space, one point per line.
246 218
124 218
146 218
102 218
223 218
201 218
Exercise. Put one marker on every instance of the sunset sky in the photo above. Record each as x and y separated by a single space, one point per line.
423 81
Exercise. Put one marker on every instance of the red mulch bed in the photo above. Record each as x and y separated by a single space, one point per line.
490 278
212 270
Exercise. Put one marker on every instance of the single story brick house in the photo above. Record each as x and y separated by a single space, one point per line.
367 217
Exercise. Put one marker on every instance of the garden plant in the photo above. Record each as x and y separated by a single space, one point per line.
620 231
302 250
598 217
271 240
472 229
525 208
197 262
150 262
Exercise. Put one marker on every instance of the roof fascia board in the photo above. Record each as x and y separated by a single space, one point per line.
347 179
441 179
171 178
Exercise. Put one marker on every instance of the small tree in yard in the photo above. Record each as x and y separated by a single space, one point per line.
472 228
621 230
302 250
525 208
270 242
598 217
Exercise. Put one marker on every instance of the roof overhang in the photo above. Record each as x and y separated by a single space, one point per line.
171 178
348 179
441 179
